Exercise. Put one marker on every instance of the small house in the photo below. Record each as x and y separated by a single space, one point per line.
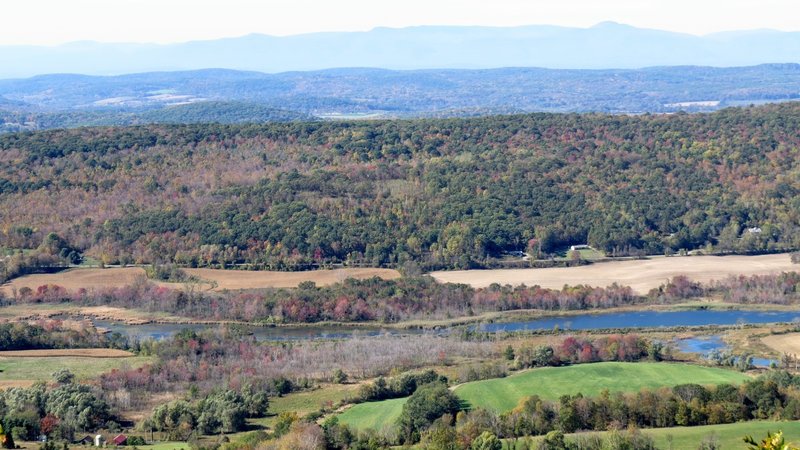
120 439
579 247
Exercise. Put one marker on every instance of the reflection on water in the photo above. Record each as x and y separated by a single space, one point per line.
645 319
164 330
701 344
704 345
576 322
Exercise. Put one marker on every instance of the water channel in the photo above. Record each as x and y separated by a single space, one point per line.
638 319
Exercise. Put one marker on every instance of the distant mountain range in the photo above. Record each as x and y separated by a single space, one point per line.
606 45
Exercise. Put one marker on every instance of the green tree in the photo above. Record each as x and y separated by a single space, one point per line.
553 440
428 403
771 442
339 377
487 441
440 436
63 376
728 240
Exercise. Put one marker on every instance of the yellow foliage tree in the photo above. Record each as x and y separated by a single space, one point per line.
771 442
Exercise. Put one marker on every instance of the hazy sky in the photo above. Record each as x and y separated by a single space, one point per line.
57 21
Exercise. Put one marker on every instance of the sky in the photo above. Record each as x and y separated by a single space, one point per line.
52 22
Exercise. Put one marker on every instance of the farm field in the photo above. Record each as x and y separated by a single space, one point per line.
166 446
26 311
727 436
502 394
641 275
217 279
73 352
20 371
75 279
783 343
250 279
306 402
375 415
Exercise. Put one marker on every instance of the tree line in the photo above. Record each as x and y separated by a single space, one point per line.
50 334
58 412
407 298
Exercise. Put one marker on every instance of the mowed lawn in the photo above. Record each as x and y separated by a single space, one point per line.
503 394
375 415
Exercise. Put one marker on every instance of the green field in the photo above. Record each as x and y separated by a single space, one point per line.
306 402
166 446
587 254
728 436
375 415
42 369
503 394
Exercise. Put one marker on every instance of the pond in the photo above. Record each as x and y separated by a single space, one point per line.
704 345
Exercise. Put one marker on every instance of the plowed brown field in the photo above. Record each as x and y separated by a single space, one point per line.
217 279
641 275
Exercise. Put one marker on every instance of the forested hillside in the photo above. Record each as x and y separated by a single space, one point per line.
443 193
19 119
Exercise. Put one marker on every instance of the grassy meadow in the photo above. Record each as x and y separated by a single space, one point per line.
727 436
27 370
303 403
503 394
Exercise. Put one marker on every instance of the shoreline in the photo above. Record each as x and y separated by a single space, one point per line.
128 317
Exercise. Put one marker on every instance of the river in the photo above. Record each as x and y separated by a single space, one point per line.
639 319
645 319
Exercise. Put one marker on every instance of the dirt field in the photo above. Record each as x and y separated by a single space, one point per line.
75 279
245 279
220 279
76 352
641 275
28 312
8 384
783 343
